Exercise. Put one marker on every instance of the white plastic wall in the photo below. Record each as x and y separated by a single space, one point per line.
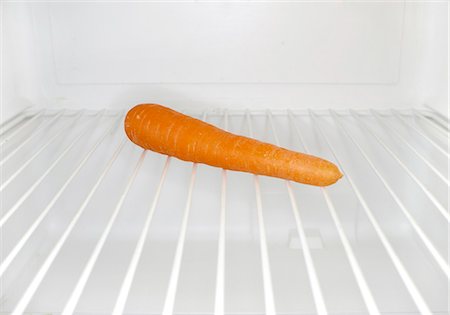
199 54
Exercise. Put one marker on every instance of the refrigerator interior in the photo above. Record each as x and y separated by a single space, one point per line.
92 224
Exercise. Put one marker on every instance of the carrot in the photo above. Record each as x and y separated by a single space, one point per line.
158 128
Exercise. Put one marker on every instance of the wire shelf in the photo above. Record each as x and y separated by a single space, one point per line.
92 224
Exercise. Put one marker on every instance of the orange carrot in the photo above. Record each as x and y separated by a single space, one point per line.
158 128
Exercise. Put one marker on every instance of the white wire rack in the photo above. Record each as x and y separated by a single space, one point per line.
92 224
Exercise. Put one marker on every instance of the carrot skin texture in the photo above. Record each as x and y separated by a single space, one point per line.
161 129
